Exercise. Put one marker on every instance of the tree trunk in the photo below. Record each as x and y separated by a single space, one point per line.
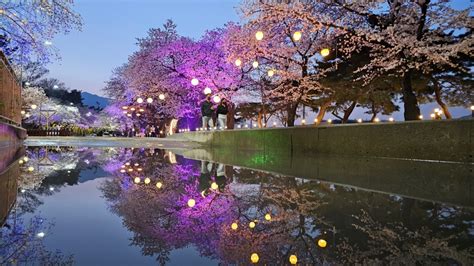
437 91
412 111
291 114
322 112
259 119
348 112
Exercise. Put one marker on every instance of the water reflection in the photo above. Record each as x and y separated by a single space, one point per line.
231 215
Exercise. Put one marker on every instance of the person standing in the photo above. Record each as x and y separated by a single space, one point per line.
222 110
153 131
207 109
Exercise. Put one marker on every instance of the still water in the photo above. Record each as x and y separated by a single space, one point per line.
124 206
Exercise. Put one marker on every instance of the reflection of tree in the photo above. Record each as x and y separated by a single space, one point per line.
359 227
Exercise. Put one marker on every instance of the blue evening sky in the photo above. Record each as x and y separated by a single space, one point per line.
112 26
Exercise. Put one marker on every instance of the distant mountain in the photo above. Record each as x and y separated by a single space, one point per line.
94 100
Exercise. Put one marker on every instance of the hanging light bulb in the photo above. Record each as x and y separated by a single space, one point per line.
293 259
238 62
255 64
191 203
149 100
271 72
259 35
140 100
194 82
297 36
325 52
252 225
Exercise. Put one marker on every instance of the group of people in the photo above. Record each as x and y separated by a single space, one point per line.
207 113
148 131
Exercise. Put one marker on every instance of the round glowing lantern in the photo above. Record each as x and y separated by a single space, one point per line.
238 62
322 243
161 97
259 35
268 217
191 203
293 259
297 36
194 82
31 169
149 100
325 52
34 106
25 159
137 180
159 184
140 100
207 91
214 185
254 258
234 226
255 64
271 72
147 180
252 224
216 99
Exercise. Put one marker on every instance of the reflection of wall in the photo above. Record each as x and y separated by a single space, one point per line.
8 190
11 135
428 140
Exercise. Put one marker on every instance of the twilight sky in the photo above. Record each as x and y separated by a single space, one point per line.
111 27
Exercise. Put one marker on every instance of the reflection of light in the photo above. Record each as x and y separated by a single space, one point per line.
268 217
191 203
234 226
214 185
252 224
31 169
293 259
40 234
216 99
322 243
159 184
137 180
254 258
297 36
147 180
194 82
259 35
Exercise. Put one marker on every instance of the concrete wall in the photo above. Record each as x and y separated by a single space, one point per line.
445 140
11 135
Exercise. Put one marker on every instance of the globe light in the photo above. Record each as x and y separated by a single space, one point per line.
325 52
159 184
376 120
293 259
274 124
149 100
34 106
432 116
329 121
254 258
238 62
472 107
322 243
40 234
359 120
22 112
252 225
214 186
20 161
420 117
303 121
161 97
391 119
259 35
194 82
268 217
31 169
216 99
124 107
25 159
255 64
297 36
271 72
140 100
147 180
191 203
234 226
137 180
207 91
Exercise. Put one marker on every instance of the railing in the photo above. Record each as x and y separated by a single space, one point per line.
10 93
51 132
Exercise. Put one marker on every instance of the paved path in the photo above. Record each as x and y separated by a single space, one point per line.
109 142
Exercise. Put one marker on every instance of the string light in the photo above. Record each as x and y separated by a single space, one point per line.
238 62
297 36
322 243
255 64
191 203
420 117
252 225
139 100
194 82
234 226
259 35
268 217
150 100
137 180
147 180
271 72
159 184
207 91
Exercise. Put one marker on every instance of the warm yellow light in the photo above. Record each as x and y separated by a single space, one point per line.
255 64
140 100
159 184
214 186
34 106
293 259
472 107
322 243
238 62
254 258
149 100
125 112
139 169
391 119
137 180
132 109
124 107
22 112
234 226
20 161
31 169
138 114
420 117
268 217
432 115
191 203
436 110
194 82
252 224
359 120
25 159
127 164
142 110
216 99
207 91
259 35
376 120
271 72
325 52
147 180
329 121
303 121
297 36
315 120
161 97
122 171
130 170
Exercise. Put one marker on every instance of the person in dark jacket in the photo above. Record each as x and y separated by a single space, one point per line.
222 110
207 110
